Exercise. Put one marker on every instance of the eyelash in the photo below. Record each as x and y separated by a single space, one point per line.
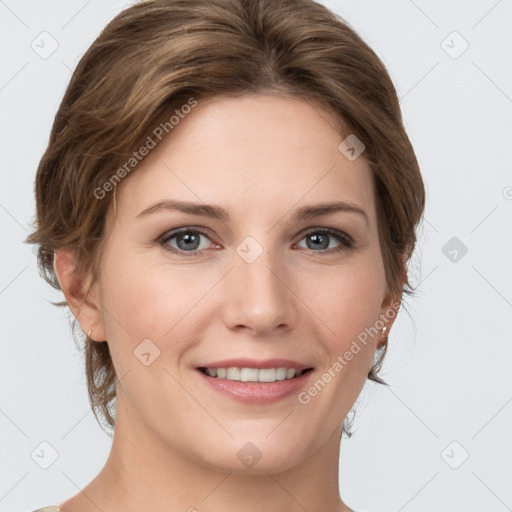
346 242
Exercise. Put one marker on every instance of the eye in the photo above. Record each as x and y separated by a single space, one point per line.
320 238
187 240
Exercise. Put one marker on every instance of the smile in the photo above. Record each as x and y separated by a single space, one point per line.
244 374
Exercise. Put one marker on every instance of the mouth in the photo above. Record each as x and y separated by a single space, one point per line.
248 374
255 381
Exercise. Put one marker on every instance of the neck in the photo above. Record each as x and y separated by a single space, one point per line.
143 473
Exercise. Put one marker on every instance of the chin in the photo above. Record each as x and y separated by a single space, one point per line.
257 457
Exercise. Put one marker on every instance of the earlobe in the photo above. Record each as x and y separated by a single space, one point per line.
85 307
389 311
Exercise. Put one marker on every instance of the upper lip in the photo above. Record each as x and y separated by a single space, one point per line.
256 363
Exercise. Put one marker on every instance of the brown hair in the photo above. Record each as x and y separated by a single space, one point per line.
156 55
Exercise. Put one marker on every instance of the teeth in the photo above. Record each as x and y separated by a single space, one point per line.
290 373
249 374
267 375
253 374
233 373
281 373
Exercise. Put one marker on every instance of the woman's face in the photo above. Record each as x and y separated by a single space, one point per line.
247 275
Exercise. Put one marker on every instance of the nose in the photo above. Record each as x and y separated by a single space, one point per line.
258 296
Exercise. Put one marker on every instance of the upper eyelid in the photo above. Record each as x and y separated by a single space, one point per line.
170 234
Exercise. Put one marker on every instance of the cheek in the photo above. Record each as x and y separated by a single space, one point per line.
149 309
144 299
347 301
346 298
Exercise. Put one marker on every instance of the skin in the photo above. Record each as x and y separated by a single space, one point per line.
260 157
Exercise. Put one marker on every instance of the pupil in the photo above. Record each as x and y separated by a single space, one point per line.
320 239
191 241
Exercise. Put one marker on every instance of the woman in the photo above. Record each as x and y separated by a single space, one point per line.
228 202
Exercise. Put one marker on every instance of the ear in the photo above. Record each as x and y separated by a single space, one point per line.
388 312
85 307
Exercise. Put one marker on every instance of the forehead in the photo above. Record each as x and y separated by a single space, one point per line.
252 152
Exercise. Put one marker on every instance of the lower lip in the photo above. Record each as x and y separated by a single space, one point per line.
257 392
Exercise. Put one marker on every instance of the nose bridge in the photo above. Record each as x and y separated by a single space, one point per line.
258 295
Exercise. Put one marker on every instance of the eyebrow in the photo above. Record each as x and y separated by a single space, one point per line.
216 212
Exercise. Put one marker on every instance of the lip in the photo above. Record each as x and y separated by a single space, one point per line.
256 392
256 363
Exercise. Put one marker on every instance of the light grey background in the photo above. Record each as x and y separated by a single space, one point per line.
449 367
